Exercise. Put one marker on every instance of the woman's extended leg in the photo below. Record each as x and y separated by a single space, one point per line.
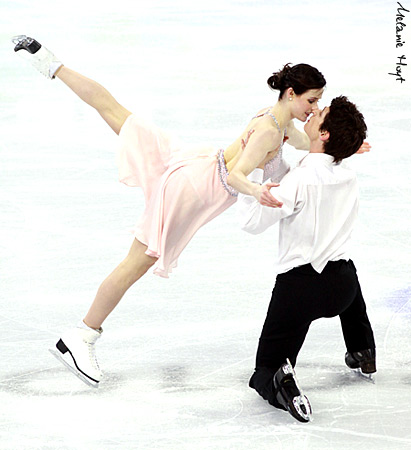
88 90
137 262
112 289
96 96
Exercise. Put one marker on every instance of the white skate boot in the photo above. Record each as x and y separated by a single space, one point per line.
40 58
76 350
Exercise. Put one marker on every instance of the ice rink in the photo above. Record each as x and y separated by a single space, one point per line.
177 354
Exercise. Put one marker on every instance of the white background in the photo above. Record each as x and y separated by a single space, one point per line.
177 354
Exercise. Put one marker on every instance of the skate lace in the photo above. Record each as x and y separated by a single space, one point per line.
92 355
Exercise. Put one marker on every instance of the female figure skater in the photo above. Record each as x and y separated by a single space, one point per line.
182 192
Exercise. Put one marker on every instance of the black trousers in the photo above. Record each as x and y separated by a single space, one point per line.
299 297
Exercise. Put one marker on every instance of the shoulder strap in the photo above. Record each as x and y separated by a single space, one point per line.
267 113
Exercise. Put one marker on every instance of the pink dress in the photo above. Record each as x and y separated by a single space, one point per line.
183 190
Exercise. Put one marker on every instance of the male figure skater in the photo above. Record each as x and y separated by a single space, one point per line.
316 277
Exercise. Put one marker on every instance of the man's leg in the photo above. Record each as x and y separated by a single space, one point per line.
275 354
357 331
282 337
291 310
356 326
299 297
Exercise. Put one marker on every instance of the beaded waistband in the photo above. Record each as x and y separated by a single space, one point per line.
223 173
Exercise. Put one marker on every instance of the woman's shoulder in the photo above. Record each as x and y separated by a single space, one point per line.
265 125
262 111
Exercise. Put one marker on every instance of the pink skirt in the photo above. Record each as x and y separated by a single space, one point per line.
182 190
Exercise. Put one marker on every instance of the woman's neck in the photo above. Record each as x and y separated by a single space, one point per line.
282 113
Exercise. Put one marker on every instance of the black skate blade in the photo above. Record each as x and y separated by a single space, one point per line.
73 370
26 43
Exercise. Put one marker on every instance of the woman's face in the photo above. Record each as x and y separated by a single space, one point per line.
303 105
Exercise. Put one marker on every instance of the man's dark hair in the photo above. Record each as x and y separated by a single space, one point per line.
346 127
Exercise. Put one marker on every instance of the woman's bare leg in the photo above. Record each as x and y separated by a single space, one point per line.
96 96
136 264
111 291
88 90
76 347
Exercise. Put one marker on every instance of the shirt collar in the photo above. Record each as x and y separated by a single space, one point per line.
315 159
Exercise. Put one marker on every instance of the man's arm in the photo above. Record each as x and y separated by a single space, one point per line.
255 218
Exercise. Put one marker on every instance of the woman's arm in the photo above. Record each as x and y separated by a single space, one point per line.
296 138
257 149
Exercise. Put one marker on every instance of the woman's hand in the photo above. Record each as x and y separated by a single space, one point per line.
265 198
365 147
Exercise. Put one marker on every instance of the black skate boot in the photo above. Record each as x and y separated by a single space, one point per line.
363 360
289 395
26 43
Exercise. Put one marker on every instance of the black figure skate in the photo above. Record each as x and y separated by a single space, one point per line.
289 395
363 362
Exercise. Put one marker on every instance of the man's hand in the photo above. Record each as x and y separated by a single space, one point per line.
365 147
265 197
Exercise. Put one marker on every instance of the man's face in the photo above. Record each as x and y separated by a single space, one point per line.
313 124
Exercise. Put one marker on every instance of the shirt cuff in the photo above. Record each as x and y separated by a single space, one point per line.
256 176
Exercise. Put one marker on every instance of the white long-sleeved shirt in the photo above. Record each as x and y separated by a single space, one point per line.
320 206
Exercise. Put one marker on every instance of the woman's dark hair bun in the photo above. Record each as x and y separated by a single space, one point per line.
279 79
301 77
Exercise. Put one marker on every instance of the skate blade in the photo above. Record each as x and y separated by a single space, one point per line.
73 370
303 408
301 403
365 376
18 39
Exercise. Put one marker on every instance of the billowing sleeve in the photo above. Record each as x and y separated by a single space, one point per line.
256 218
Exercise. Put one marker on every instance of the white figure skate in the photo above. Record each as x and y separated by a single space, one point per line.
39 57
76 350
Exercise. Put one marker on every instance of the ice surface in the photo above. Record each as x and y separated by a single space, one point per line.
177 353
